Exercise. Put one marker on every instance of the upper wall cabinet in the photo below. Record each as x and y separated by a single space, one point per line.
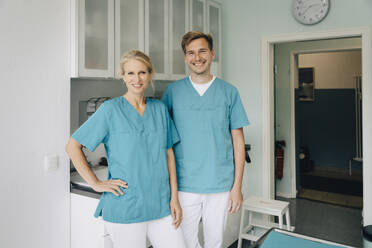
178 25
93 38
103 30
198 19
214 28
129 28
156 36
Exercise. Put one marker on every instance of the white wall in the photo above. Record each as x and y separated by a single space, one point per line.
333 70
34 93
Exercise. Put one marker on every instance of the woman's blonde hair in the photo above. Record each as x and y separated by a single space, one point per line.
137 55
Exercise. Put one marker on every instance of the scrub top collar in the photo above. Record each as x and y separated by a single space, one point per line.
189 85
130 106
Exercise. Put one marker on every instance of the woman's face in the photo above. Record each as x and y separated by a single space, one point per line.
136 77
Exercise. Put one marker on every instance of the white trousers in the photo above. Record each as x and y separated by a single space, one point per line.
161 233
212 209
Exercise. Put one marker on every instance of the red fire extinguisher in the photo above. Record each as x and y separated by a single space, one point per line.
279 158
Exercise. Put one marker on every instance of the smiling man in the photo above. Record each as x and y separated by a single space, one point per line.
209 117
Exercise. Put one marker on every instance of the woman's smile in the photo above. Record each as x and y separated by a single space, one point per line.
136 77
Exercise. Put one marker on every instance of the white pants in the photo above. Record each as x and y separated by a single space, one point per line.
161 233
212 209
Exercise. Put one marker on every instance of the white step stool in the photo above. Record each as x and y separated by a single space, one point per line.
263 206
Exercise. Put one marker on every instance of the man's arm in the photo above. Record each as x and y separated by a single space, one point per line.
236 196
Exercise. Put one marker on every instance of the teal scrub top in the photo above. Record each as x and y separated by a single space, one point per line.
204 155
136 153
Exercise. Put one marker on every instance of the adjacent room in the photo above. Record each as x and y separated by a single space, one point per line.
325 82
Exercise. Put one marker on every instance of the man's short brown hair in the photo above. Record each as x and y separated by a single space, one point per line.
193 35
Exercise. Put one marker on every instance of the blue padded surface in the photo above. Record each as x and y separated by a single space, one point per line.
277 239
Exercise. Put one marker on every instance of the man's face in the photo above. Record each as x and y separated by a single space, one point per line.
199 57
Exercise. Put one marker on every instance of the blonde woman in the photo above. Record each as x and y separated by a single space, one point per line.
140 197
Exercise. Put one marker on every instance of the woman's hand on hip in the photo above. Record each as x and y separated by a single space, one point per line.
111 185
176 212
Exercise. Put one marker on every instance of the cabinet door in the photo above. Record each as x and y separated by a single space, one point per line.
156 36
214 28
129 28
179 12
198 15
96 38
86 230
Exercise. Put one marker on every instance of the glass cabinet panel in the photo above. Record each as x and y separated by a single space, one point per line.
178 30
109 28
214 30
129 25
156 34
96 35
129 28
197 15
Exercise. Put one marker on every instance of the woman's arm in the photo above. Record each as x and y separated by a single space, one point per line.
74 151
176 210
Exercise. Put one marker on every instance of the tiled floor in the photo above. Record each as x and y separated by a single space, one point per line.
325 221
338 173
334 180
334 198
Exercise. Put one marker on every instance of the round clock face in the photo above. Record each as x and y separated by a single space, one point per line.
310 11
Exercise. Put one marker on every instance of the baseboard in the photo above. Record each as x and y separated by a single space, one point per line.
285 195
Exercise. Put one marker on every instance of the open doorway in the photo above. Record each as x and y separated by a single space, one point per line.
328 128
267 44
318 117
268 87
326 55
315 117
326 133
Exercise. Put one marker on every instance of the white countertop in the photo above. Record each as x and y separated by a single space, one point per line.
100 171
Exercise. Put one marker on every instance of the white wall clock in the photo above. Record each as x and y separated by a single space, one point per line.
310 11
